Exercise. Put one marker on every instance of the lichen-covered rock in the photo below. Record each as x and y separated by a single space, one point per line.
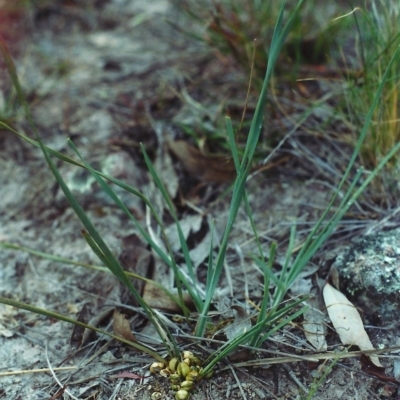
369 270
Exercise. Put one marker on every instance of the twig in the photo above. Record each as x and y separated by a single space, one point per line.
237 381
55 376
295 379
35 371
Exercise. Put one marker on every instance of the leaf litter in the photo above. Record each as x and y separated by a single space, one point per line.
347 321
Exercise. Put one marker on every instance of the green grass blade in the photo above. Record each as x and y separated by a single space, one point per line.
14 78
267 272
95 248
270 275
232 144
279 315
279 293
210 264
235 155
279 36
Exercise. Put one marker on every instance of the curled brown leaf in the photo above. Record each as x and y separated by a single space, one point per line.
206 167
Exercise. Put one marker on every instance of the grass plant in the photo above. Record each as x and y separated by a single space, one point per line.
241 30
379 37
273 314
235 27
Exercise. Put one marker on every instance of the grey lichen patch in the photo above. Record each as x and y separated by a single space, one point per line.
369 269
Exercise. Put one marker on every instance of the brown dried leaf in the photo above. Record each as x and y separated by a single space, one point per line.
371 369
126 374
156 298
347 321
206 167
122 327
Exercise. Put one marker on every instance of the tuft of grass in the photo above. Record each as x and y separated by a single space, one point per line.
379 37
243 29
273 314
188 282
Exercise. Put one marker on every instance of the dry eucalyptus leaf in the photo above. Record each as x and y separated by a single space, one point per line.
126 374
314 319
122 327
371 369
315 329
206 167
347 321
156 298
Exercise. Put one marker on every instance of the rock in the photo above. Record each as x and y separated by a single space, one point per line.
369 270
